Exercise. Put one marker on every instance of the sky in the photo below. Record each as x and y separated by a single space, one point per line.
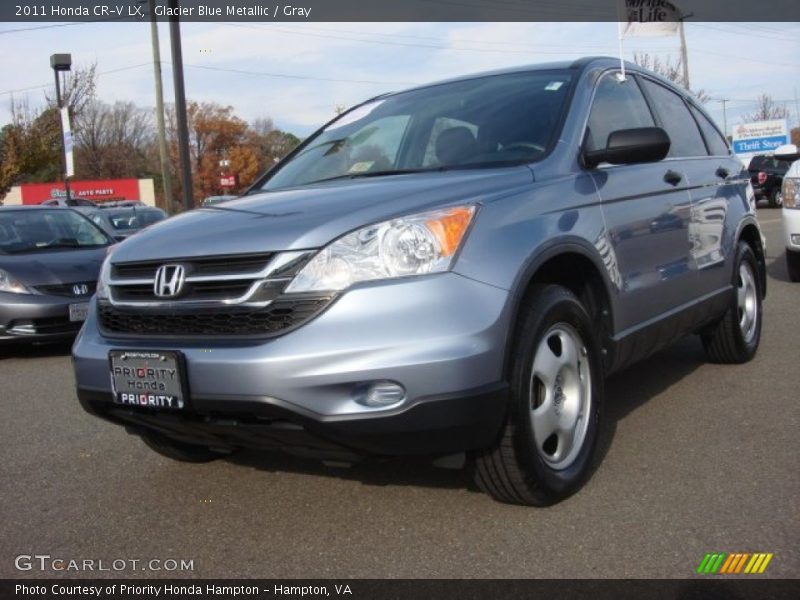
298 73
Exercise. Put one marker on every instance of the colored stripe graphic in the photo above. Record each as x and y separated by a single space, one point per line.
722 563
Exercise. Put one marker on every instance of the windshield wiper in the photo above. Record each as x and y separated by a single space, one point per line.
376 174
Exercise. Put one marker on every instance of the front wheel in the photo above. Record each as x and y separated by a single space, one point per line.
546 448
735 338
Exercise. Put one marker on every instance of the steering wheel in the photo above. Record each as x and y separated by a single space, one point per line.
524 146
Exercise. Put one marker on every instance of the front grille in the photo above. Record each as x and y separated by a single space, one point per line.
234 264
278 317
252 279
207 290
69 289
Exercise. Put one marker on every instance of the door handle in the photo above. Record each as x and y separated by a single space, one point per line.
673 177
722 173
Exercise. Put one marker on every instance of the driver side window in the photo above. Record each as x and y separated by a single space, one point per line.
617 105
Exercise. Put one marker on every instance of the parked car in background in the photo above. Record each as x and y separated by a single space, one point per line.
120 203
790 213
121 223
766 174
49 262
73 202
214 200
454 268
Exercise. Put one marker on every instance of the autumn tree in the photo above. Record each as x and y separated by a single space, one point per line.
215 134
673 71
31 148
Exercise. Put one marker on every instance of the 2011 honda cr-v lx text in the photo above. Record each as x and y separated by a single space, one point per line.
452 268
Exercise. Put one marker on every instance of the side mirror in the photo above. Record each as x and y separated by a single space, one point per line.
787 152
630 146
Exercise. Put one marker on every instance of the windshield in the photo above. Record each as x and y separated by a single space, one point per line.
33 230
489 121
129 220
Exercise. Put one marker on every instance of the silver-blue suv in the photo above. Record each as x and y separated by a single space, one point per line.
451 268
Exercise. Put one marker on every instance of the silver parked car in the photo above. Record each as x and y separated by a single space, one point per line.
49 262
121 223
451 268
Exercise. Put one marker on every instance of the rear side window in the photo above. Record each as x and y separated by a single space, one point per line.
717 145
617 105
677 121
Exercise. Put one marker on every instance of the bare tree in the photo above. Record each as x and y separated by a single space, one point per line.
79 89
767 110
669 70
262 126
114 140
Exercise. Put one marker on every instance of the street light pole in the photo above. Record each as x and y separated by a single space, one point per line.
61 62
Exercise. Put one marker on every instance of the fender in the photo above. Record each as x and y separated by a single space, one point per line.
542 254
750 219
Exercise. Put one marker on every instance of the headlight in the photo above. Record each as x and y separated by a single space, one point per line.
413 245
9 284
102 280
791 192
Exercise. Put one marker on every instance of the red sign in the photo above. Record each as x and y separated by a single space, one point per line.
227 181
96 191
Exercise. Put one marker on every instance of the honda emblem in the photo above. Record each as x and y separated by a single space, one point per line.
80 289
169 281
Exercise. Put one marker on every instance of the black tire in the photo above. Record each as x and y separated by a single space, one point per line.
726 342
180 451
793 265
776 198
515 469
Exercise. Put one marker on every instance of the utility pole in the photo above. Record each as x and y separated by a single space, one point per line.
180 107
724 101
166 175
684 53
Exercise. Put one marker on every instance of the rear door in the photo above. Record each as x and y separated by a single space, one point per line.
646 209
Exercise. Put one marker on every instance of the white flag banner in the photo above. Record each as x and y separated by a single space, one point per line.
69 170
648 18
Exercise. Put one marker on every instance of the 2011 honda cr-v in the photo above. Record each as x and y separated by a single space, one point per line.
452 268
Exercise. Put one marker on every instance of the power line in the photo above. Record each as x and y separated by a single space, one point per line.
20 30
47 85
305 77
384 42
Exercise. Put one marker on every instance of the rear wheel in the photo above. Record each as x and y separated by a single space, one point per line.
180 451
776 198
546 447
735 338
793 265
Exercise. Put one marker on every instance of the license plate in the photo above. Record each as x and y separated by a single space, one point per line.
78 312
151 379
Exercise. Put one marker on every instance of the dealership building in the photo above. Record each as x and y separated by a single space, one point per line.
101 190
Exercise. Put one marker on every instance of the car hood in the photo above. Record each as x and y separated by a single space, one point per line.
312 216
54 267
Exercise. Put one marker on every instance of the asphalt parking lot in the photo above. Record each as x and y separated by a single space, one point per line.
698 458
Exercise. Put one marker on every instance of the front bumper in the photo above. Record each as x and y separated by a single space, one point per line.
441 337
36 318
